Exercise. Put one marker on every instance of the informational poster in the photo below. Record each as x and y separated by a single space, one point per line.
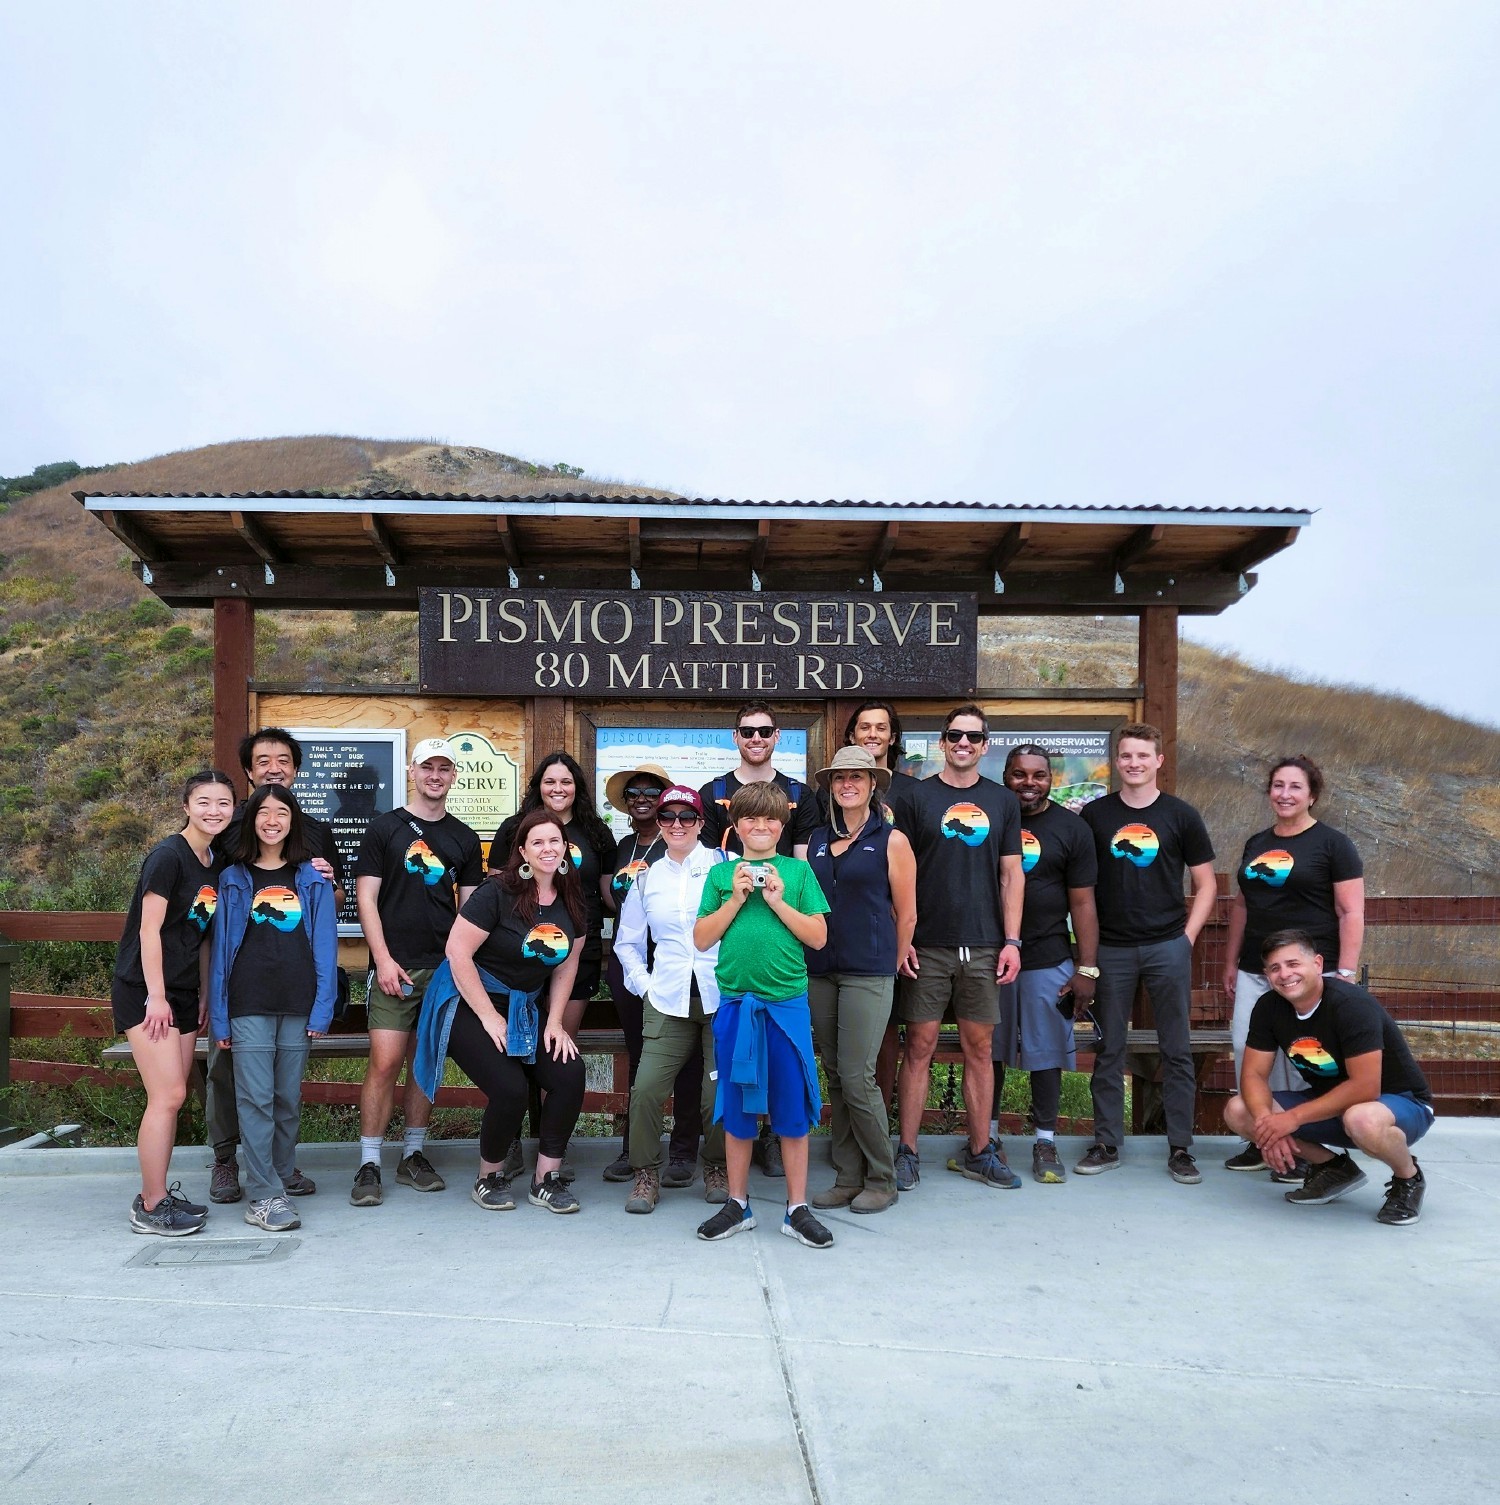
1079 755
691 755
349 775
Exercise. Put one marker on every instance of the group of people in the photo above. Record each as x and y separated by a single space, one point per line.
759 924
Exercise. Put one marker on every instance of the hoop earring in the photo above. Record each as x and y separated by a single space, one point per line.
562 867
524 871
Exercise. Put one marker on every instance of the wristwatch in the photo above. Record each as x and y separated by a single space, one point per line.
1092 972
1347 973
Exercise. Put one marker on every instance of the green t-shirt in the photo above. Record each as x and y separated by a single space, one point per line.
758 953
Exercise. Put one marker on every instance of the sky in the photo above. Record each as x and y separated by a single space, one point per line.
1193 254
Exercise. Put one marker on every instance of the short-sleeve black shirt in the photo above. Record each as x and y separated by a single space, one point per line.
717 832
1288 883
587 862
1057 853
172 872
959 837
632 857
1347 1022
421 865
521 956
273 970
1143 854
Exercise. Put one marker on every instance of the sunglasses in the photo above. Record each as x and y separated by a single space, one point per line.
747 732
678 818
650 792
977 738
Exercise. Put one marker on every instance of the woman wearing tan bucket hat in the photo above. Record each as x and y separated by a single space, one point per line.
869 875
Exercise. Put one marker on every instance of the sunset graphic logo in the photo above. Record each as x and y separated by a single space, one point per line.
622 881
205 903
1270 867
545 943
1310 1056
421 861
279 907
967 822
1135 843
575 856
1031 851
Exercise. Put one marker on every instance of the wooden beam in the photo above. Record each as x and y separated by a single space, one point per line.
250 529
376 531
762 545
62 925
1136 547
884 549
635 544
1262 546
134 535
234 668
1012 541
665 532
508 541
1157 673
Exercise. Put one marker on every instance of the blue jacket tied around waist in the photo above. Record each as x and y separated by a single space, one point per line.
435 1023
747 1064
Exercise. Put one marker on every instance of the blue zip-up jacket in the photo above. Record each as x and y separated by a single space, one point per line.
236 891
435 1023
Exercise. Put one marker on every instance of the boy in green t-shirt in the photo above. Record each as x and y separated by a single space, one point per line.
762 910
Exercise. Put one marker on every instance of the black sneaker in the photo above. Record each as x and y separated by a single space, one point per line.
515 1161
1328 1182
224 1182
681 1173
620 1168
419 1173
1100 1157
1294 1177
806 1229
1182 1167
191 1209
729 1220
1248 1159
166 1218
367 1192
767 1153
908 1167
552 1193
1403 1200
493 1193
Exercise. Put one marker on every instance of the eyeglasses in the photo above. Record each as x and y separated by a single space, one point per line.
678 818
763 732
975 737
650 792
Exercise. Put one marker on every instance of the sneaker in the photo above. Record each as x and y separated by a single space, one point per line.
1248 1159
298 1185
1403 1200
565 1172
874 1201
620 1168
274 1214
1046 1167
224 1182
166 1218
367 1192
908 1167
647 1191
1294 1177
715 1184
767 1153
493 1193
552 1193
515 1161
989 1167
1328 1182
806 1229
729 1220
1101 1157
190 1209
417 1172
835 1196
679 1173
1182 1167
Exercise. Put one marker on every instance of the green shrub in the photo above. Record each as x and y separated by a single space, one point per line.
150 613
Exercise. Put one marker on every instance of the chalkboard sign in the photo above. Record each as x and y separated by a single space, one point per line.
348 777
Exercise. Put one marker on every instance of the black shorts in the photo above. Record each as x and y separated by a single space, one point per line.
128 1005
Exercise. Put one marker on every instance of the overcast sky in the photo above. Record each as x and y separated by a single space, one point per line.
1198 253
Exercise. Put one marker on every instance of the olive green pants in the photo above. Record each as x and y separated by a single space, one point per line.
667 1042
849 1017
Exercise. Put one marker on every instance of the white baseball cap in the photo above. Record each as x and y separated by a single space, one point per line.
433 747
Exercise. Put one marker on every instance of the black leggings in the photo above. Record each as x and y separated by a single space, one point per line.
506 1082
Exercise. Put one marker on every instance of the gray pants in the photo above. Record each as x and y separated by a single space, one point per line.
270 1055
667 1042
1166 968
849 1016
220 1109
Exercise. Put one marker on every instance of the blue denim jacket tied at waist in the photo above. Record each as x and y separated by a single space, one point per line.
435 1023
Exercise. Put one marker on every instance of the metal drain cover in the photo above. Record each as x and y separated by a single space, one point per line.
201 1251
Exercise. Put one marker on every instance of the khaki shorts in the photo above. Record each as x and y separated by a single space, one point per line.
943 979
384 1012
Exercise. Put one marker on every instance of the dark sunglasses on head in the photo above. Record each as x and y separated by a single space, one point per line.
974 737
650 792
678 818
756 731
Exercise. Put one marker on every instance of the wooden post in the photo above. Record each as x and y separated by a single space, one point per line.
550 718
234 667
1157 660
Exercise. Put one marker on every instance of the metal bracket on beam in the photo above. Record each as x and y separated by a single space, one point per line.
270 574
1244 585
515 579
999 584
875 581
635 581
146 576
1120 585
754 581
390 575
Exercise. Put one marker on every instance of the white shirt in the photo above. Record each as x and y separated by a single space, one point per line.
665 900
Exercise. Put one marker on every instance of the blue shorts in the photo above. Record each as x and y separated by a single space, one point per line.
1413 1117
786 1087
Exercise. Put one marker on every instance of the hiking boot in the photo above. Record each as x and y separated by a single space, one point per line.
908 1167
1294 1177
166 1218
181 1203
647 1191
515 1161
1101 1157
806 1229
274 1214
1046 1167
767 1153
715 1184
1403 1200
1328 1182
417 1172
835 1196
874 1201
224 1182
1182 1167
989 1167
679 1173
620 1168
552 1193
729 1220
298 1185
1248 1159
493 1193
367 1192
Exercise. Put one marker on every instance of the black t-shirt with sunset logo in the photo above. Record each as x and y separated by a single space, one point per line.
421 865
1347 1022
959 837
173 872
1057 853
1143 855
520 953
1288 883
632 857
273 970
586 861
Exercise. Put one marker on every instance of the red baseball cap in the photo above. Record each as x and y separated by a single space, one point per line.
680 794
